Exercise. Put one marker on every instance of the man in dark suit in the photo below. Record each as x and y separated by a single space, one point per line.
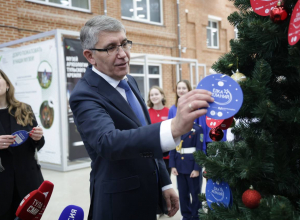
128 176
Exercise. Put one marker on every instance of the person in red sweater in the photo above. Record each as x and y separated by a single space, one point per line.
156 102
157 111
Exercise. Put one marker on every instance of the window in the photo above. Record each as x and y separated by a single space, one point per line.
212 34
79 5
236 33
146 81
149 11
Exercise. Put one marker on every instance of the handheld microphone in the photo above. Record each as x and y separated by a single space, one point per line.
72 212
46 188
30 205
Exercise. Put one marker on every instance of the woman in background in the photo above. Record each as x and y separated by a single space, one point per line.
157 111
182 87
156 103
19 171
183 163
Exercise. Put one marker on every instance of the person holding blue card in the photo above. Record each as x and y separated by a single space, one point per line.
19 138
182 162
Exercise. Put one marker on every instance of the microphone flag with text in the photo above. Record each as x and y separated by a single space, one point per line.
72 212
46 188
30 205
34 204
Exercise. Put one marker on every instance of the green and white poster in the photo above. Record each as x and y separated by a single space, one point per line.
33 71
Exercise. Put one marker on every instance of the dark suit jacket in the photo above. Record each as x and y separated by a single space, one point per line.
123 177
21 168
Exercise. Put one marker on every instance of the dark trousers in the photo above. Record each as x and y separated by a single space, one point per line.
188 187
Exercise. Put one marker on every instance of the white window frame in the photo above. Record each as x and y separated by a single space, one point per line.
215 19
137 19
148 76
236 33
46 2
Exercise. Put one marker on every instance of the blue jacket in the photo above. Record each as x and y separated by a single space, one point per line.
185 163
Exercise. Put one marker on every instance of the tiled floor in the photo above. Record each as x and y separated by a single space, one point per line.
72 188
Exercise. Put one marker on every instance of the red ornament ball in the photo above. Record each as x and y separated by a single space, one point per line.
278 14
251 198
216 134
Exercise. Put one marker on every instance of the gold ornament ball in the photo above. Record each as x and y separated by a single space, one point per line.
238 77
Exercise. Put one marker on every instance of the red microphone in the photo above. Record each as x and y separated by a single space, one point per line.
30 205
46 188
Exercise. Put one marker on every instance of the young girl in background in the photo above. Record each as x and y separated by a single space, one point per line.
156 102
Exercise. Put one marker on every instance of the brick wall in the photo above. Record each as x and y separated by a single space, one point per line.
20 18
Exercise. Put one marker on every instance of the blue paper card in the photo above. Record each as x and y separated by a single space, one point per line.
227 93
21 137
218 192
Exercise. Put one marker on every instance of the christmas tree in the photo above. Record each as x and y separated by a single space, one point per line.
265 152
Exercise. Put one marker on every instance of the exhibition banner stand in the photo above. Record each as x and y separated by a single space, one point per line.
75 65
44 69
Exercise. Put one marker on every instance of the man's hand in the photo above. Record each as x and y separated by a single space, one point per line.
189 107
172 201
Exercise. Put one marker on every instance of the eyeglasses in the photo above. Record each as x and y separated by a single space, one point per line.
126 46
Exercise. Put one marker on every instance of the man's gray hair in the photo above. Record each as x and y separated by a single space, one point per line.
90 31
